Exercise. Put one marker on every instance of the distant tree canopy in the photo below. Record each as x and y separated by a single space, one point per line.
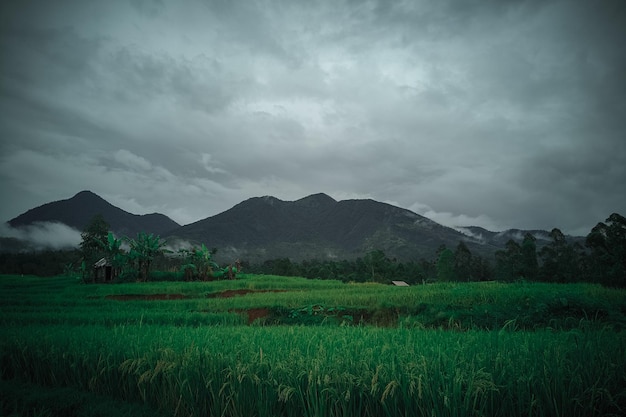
601 260
375 266
43 264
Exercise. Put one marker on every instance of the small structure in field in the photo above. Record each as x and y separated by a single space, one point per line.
400 283
103 271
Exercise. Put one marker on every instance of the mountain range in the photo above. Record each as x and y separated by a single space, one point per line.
261 228
319 227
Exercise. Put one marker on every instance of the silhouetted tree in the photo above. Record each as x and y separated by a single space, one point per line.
481 269
528 251
607 258
378 265
509 262
445 265
560 260
462 263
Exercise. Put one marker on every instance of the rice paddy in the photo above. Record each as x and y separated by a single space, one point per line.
320 348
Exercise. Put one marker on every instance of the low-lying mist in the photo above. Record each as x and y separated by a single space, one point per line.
44 235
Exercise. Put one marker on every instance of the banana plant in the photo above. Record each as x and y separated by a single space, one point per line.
199 263
205 261
114 253
143 249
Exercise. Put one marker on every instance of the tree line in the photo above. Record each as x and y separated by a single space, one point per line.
602 259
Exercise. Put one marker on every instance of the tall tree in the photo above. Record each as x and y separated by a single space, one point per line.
509 262
463 262
528 253
607 259
445 265
481 269
560 260
94 239
378 265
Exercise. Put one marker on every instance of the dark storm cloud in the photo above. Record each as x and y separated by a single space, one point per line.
500 114
195 85
149 8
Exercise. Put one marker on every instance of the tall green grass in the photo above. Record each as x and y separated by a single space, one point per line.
316 371
196 356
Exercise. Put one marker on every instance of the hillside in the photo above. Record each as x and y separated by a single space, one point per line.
78 211
499 239
319 227
262 228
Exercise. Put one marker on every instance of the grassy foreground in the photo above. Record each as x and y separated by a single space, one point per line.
442 349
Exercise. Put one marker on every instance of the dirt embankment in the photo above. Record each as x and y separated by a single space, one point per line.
277 316
157 297
252 313
235 293
144 297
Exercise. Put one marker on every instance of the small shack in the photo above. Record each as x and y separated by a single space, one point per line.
400 283
103 271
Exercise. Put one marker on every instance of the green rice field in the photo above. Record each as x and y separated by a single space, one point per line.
281 346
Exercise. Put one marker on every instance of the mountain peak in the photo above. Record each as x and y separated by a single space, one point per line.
77 212
89 197
316 200
86 193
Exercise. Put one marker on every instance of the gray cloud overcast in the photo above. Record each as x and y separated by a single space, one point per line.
489 113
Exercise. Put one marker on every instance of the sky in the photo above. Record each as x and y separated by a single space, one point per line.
500 114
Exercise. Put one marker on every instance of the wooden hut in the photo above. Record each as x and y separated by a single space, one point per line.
103 271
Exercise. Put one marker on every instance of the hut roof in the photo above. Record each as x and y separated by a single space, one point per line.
102 262
400 283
